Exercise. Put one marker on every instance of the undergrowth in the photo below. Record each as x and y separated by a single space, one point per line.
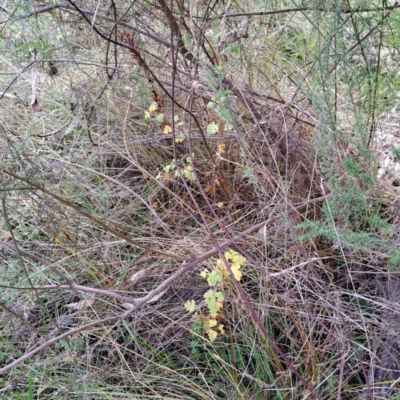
191 200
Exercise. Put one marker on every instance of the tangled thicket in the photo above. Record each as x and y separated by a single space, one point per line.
168 133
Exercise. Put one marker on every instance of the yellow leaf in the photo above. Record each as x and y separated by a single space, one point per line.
238 258
212 334
212 323
146 115
190 305
221 148
204 273
220 204
218 307
221 328
236 272
153 107
167 129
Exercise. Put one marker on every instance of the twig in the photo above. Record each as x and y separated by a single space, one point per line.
2 305
153 75
3 94
56 130
100 16
138 303
80 62
95 220
299 9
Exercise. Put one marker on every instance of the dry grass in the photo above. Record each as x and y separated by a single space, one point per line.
319 275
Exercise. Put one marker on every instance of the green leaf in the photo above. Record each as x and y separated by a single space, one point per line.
394 260
396 153
189 174
180 137
228 127
210 300
215 277
160 117
212 128
169 167
213 300
219 296
190 305
234 49
70 129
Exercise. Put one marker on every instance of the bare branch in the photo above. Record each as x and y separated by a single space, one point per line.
67 6
342 10
95 220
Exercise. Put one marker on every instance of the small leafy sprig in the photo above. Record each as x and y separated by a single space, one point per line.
214 297
153 107
221 108
187 170
165 123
